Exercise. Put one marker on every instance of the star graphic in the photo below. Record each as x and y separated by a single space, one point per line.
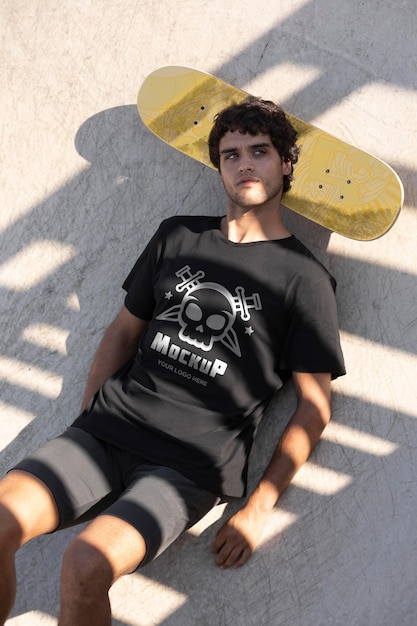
168 295
249 330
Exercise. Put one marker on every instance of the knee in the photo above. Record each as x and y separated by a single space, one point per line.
85 570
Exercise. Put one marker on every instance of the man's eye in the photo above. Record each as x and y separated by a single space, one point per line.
231 156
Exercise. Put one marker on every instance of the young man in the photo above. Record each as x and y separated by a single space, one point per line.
219 313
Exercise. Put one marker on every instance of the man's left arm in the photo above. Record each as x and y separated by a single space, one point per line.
237 538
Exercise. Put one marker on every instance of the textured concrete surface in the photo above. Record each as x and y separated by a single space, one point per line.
84 185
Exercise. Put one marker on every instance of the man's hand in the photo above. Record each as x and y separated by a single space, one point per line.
237 538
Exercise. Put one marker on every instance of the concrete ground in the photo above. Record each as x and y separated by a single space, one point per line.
84 185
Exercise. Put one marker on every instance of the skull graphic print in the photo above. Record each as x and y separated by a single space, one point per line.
208 312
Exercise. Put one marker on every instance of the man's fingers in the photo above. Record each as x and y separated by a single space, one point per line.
232 551
235 557
237 538
244 556
218 543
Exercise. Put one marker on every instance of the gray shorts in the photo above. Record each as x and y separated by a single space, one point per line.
88 477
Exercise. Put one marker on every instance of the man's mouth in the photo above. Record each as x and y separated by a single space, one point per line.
247 181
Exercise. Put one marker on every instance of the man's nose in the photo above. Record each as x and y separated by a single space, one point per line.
245 163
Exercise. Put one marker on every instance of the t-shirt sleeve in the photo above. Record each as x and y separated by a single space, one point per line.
312 340
140 299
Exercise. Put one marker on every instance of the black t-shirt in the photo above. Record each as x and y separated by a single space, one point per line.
228 323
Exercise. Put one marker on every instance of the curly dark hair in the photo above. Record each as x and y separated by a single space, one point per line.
255 116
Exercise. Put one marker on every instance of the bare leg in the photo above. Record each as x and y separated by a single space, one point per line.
7 568
27 510
105 550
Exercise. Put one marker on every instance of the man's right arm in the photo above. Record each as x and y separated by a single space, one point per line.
119 343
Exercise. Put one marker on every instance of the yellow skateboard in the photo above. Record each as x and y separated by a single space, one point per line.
336 185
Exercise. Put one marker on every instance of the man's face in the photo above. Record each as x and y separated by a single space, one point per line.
251 169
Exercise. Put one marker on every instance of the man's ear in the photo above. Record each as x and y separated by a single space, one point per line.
286 167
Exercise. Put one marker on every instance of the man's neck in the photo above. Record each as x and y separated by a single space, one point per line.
249 225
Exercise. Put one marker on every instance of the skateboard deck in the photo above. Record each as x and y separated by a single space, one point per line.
335 184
